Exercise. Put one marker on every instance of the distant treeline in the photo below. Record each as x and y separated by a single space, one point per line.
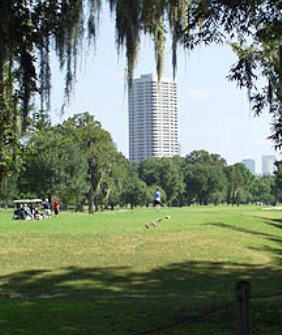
78 161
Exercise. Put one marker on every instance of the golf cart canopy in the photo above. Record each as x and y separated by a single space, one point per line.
28 201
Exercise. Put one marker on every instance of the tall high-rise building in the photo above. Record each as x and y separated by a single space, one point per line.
250 164
153 119
267 163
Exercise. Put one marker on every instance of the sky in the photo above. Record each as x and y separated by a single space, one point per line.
213 114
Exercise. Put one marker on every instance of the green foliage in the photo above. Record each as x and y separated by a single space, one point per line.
75 160
78 162
115 184
135 190
31 30
9 189
205 178
263 190
166 173
239 182
55 166
278 180
28 30
100 154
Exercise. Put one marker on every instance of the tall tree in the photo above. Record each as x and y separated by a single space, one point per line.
239 183
262 189
117 181
204 177
166 173
100 152
134 192
30 30
55 165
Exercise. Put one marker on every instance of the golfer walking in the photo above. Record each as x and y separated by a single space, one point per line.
157 200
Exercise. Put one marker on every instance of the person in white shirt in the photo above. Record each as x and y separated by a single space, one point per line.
157 200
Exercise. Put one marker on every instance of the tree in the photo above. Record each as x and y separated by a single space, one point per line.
28 29
75 160
39 176
114 186
31 30
254 30
55 165
239 182
101 155
278 180
204 177
165 173
8 190
262 189
149 171
134 192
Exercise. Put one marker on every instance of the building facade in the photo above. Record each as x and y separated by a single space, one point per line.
267 163
153 118
250 165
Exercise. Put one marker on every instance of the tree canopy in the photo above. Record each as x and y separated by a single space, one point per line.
30 30
78 162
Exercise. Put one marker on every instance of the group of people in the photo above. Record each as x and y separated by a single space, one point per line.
47 208
25 212
32 213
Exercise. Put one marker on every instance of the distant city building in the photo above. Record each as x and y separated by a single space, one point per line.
153 119
250 164
267 163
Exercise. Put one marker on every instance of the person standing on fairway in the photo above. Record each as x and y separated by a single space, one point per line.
157 200
56 206
47 209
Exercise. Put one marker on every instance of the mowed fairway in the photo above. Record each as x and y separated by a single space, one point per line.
107 274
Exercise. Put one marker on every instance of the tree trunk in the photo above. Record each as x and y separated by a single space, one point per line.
79 207
90 202
96 203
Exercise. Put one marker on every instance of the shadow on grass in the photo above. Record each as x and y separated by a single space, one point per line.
188 281
268 236
274 222
276 251
115 300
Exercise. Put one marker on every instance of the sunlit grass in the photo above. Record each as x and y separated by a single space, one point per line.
111 265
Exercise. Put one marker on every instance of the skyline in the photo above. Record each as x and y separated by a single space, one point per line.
213 114
267 164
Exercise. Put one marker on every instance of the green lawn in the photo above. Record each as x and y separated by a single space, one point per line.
107 274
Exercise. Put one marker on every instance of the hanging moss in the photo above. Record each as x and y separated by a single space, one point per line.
30 30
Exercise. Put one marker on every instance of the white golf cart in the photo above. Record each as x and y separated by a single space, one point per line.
27 209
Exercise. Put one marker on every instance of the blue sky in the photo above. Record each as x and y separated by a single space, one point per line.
213 114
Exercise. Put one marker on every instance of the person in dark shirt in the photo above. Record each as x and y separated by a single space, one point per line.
46 209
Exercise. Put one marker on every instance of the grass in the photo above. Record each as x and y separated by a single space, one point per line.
107 274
